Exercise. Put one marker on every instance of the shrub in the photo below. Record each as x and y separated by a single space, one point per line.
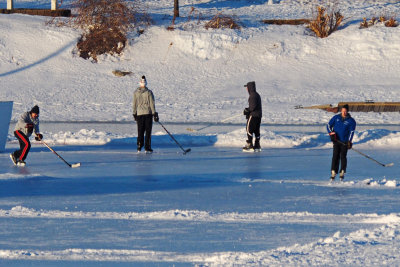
366 24
222 21
105 24
391 23
382 19
101 41
324 24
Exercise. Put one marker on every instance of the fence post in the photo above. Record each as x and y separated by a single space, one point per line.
10 4
53 4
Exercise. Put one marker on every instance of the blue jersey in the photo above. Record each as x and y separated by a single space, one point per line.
343 127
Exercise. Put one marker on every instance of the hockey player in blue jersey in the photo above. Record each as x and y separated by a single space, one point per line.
341 131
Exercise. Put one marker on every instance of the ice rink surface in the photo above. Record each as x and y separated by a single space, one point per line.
211 200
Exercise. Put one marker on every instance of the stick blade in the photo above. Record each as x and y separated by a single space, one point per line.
187 151
75 165
389 164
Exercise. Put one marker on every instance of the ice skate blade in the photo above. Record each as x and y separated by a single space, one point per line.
14 162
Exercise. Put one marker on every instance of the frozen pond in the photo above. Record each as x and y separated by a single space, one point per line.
189 207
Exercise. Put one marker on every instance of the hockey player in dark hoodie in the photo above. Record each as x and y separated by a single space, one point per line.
253 115
27 124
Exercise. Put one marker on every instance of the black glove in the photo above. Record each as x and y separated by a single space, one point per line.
39 137
333 137
156 118
246 112
349 145
135 117
29 126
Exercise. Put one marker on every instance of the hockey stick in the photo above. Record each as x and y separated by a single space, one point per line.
368 157
211 124
75 165
173 138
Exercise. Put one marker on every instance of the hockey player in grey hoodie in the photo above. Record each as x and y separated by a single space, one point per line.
143 111
26 125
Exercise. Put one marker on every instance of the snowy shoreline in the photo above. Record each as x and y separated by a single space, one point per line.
318 139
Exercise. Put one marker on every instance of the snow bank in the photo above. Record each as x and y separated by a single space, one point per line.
207 45
197 74
205 216
368 139
5 116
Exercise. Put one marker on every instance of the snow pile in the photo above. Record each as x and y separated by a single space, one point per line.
82 137
205 216
384 182
206 45
271 139
368 139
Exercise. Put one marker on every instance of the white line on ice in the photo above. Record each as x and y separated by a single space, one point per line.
204 216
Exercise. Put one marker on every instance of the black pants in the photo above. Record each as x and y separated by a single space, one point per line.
253 127
24 145
339 155
144 125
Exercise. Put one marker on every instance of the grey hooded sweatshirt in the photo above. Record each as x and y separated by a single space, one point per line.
143 102
27 124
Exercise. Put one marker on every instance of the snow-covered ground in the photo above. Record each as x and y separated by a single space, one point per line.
214 206
197 75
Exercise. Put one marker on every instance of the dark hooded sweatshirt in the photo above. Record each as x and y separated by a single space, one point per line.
254 100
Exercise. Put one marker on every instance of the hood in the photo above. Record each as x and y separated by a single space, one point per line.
251 87
142 89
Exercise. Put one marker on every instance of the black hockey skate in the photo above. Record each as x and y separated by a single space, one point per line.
341 175
248 147
257 147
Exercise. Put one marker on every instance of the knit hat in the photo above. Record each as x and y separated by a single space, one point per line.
346 106
143 82
35 109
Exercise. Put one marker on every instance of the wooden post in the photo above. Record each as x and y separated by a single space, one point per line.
53 4
176 8
10 4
